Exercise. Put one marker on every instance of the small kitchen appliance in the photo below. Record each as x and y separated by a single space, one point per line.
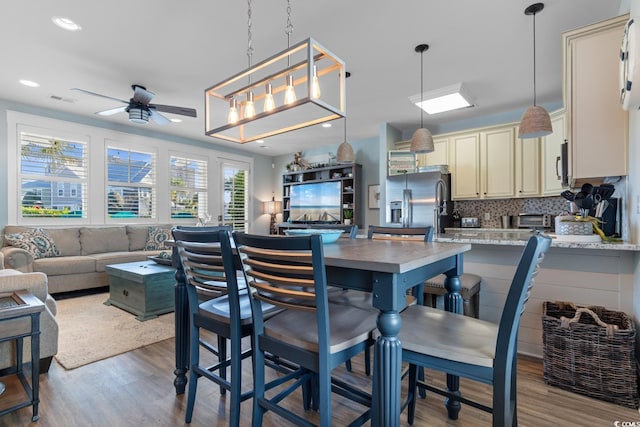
534 220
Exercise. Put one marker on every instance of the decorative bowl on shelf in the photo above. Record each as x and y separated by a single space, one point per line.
328 236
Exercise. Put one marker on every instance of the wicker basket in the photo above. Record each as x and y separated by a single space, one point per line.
591 353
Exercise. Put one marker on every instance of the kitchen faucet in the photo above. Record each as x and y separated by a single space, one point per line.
440 208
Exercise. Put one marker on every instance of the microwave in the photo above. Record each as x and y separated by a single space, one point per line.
529 220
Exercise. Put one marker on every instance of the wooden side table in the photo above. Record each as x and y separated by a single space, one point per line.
20 318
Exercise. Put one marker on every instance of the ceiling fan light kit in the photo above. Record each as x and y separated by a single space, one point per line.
140 108
535 121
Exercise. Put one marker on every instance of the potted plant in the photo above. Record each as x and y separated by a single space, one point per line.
347 214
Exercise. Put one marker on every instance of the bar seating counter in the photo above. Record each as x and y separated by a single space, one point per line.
519 237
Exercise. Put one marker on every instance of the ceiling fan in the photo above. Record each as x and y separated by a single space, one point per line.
140 108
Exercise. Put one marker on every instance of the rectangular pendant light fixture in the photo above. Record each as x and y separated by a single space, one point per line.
447 98
301 86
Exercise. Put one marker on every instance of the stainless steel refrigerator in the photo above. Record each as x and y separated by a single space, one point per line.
411 199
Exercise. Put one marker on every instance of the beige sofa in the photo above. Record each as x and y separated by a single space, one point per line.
36 284
73 258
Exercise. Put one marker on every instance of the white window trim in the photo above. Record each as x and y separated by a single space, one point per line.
97 139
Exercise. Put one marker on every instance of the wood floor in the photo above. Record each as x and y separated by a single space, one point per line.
136 389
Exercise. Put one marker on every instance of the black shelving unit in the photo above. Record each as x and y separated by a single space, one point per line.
349 175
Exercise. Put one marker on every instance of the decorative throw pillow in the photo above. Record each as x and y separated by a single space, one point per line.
36 241
156 239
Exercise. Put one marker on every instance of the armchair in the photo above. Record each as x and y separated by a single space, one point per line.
36 284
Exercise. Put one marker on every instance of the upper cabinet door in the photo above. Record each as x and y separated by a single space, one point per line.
527 167
497 151
552 156
465 166
440 155
598 126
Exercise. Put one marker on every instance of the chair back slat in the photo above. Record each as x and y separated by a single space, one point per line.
285 271
400 233
208 272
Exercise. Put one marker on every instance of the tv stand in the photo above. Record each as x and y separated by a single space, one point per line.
351 207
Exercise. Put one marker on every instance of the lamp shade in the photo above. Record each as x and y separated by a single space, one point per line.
535 123
422 141
271 207
345 153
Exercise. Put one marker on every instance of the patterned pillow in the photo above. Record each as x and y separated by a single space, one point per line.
36 241
156 239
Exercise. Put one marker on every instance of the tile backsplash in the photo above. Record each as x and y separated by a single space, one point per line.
497 208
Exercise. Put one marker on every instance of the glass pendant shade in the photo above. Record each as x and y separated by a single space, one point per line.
233 117
269 102
422 141
249 107
289 92
535 122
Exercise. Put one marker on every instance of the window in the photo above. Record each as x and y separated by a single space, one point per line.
188 188
47 165
131 183
235 184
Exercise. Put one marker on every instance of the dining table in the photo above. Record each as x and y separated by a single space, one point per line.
387 269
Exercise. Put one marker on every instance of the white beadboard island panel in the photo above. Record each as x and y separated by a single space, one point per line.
582 276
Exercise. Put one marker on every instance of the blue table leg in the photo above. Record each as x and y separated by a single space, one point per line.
387 367
181 325
453 303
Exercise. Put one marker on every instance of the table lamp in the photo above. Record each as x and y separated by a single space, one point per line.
272 207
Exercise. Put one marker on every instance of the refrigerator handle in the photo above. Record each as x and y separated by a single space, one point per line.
406 208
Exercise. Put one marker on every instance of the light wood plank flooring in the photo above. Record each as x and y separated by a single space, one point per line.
136 389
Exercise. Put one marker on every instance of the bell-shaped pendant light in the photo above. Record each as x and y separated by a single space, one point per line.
345 152
422 139
535 121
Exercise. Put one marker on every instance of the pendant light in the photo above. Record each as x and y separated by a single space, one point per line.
345 152
422 140
242 107
535 122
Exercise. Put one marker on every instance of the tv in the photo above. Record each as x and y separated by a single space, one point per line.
315 202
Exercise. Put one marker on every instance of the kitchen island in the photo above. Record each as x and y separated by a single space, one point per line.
582 273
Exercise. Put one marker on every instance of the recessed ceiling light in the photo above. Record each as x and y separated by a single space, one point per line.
176 120
326 125
29 83
260 141
66 23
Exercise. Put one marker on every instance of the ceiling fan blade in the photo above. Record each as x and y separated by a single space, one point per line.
191 112
97 94
112 111
142 95
159 118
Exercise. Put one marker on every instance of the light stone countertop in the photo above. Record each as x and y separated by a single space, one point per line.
519 237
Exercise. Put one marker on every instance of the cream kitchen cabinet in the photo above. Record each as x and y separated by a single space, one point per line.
598 126
527 167
497 169
440 155
551 156
465 166
482 164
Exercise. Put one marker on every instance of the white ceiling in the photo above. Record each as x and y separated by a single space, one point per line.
178 48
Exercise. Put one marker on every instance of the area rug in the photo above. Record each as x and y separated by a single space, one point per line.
91 331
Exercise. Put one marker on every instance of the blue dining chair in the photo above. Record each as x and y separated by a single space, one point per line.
316 335
471 348
218 302
404 233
